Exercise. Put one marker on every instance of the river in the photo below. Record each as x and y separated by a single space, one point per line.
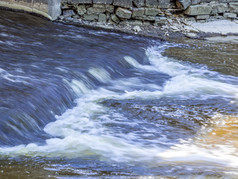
77 102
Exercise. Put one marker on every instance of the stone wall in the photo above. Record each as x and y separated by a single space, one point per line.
47 8
153 12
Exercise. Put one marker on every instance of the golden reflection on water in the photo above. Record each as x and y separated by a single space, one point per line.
224 131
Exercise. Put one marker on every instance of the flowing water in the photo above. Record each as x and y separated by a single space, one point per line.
76 102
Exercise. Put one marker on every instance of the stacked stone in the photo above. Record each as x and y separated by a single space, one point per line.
205 9
147 12
133 12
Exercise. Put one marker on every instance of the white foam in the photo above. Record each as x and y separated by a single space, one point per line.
80 131
100 74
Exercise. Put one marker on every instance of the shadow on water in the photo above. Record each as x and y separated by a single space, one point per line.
76 102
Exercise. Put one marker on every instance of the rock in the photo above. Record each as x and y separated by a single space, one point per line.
191 35
152 11
109 8
148 18
81 1
136 28
183 4
202 17
219 8
151 3
123 3
230 15
115 19
195 2
191 19
91 17
160 21
131 22
68 13
202 9
123 13
96 9
138 12
102 18
146 23
138 3
135 22
65 6
164 3
234 7
81 10
102 1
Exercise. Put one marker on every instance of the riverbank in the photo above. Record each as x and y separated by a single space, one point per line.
165 19
173 28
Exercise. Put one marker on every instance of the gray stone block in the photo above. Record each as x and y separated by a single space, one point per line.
195 10
81 10
139 3
234 7
91 17
123 13
195 2
109 8
148 18
202 17
68 13
138 12
102 1
115 19
131 22
102 18
96 10
219 8
152 11
151 3
183 4
230 15
159 21
81 1
164 3
123 3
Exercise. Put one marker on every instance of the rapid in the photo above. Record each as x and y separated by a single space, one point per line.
77 102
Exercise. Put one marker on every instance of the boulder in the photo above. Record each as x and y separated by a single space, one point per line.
123 13
123 3
151 3
195 10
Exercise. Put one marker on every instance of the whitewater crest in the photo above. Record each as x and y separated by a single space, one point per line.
85 129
